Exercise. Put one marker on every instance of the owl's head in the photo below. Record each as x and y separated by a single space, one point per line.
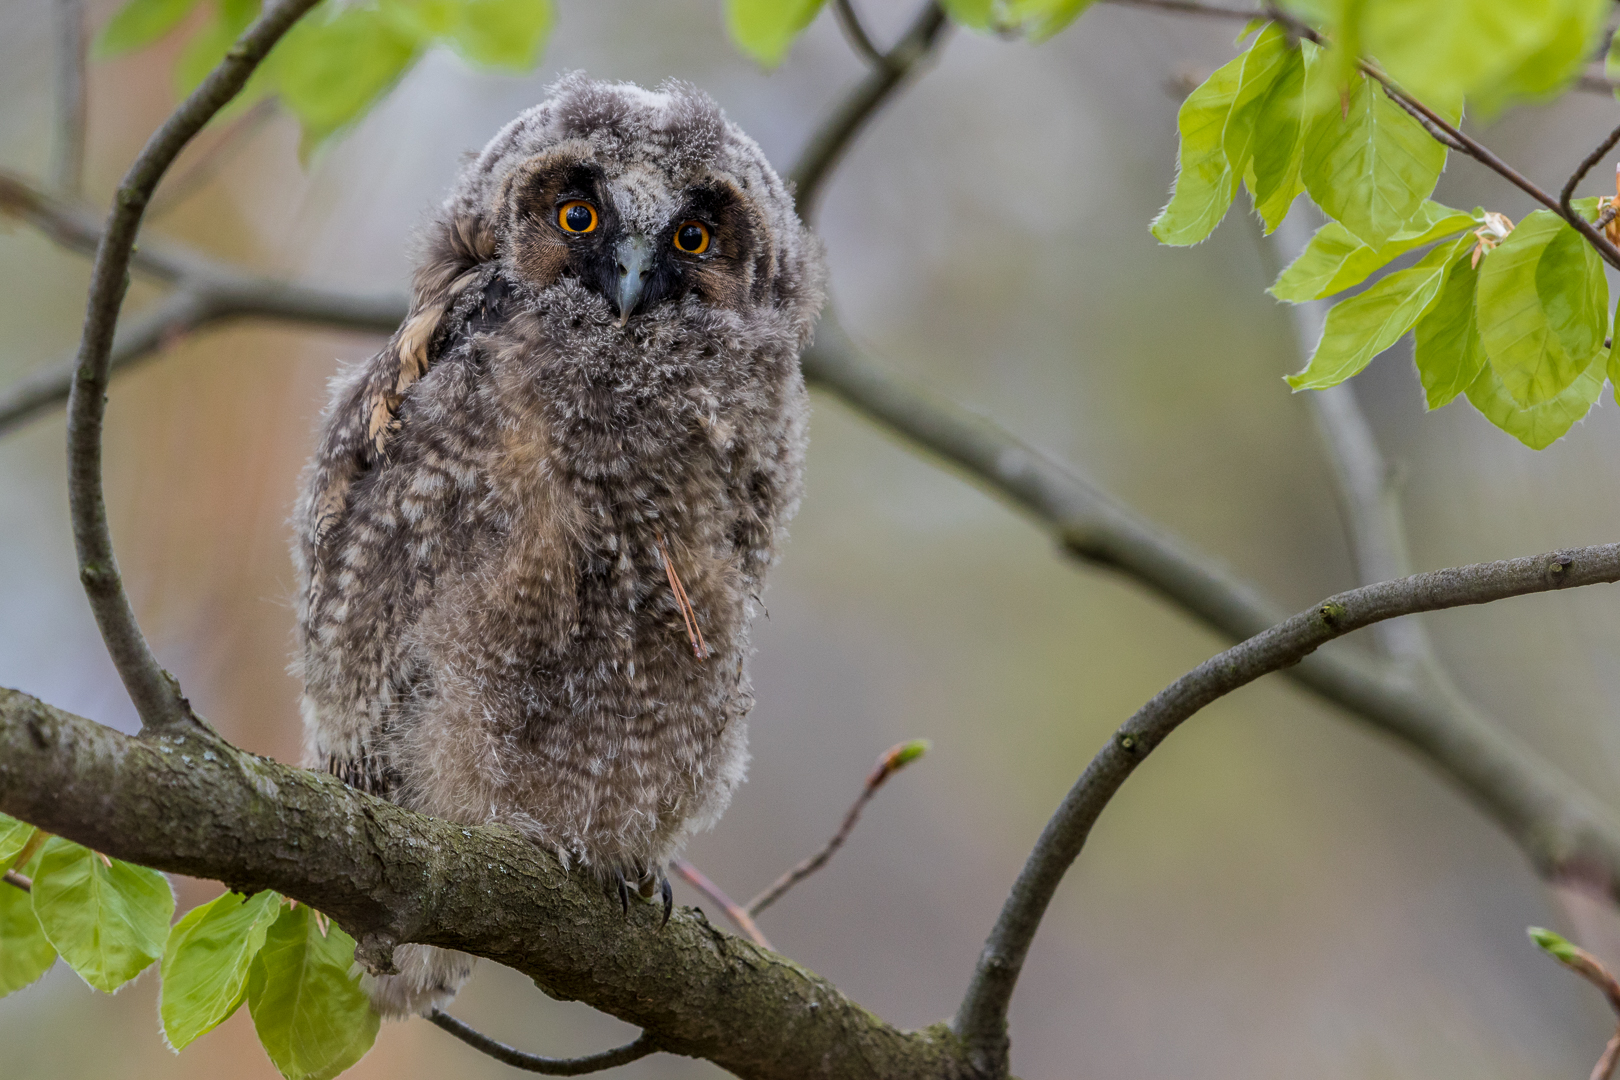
645 198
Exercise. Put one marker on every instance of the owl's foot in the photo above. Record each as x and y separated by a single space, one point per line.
646 886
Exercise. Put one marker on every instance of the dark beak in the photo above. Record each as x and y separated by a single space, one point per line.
634 255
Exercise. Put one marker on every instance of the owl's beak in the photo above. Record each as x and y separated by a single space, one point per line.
634 255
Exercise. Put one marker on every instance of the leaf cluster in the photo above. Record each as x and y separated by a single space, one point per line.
1514 319
109 920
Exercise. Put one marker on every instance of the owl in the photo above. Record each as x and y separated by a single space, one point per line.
538 522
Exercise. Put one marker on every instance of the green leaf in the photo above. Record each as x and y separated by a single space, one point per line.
1264 64
139 23
765 28
1614 358
1336 260
1205 181
206 960
107 918
1279 140
1543 307
1372 167
1446 346
312 1017
330 71
25 953
1552 944
1041 19
1537 426
1361 327
504 34
14 835
975 14
1491 51
1572 33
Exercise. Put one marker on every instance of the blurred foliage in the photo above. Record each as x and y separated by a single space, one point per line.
340 59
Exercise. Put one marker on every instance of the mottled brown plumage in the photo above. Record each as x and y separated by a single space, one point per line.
572 464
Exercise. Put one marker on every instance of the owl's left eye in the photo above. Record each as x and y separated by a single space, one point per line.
577 216
692 237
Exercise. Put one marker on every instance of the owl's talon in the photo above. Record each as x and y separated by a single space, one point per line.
624 893
669 900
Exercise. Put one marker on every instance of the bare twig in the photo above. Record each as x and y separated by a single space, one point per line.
734 911
830 141
1593 971
859 40
24 883
643 1045
154 692
1184 7
1582 169
982 1019
889 762
67 149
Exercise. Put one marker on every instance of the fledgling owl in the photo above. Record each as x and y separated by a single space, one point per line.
538 522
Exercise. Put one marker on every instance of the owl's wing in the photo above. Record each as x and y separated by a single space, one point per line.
366 410
351 611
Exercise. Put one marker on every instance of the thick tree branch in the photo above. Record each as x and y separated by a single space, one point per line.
546 1066
830 141
154 692
185 802
982 1022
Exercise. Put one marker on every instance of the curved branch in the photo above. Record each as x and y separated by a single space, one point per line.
982 1020
643 1045
830 141
186 802
154 691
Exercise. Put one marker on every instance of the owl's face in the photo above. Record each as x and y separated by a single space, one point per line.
633 233
644 204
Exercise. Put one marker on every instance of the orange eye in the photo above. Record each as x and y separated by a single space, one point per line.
577 217
692 237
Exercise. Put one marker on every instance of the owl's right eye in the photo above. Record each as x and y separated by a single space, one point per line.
577 216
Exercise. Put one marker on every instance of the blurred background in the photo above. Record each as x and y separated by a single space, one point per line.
1278 893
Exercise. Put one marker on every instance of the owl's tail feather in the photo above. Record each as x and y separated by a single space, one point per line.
429 978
